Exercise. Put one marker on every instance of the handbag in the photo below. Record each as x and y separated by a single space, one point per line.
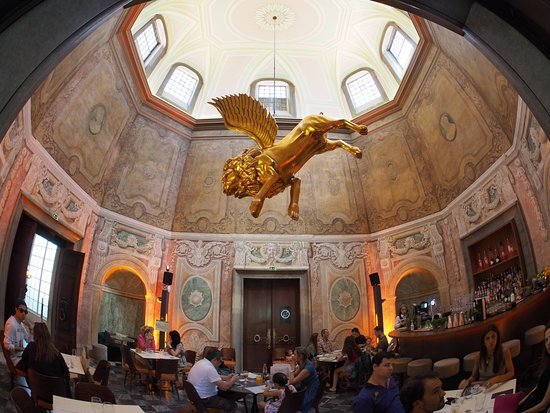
507 403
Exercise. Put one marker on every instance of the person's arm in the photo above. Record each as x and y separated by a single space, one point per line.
397 323
226 382
302 375
509 373
539 407
475 374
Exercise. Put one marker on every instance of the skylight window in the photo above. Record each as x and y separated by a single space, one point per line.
181 86
397 50
150 41
363 90
402 49
275 96
147 40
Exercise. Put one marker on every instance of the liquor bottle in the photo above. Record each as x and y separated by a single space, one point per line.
265 376
502 251
485 259
509 248
496 256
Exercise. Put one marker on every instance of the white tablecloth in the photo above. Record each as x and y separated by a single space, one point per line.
469 403
150 355
64 405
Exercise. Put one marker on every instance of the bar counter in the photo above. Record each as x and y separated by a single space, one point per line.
459 341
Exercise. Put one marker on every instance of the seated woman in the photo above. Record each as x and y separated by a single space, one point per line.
145 340
494 364
306 376
352 352
538 400
280 391
42 356
175 348
311 347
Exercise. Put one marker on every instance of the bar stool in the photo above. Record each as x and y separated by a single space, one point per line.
419 367
514 346
469 361
446 369
533 337
400 367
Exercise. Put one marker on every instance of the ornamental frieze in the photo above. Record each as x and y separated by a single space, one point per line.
267 254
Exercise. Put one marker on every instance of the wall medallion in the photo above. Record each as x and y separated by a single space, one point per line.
344 299
196 298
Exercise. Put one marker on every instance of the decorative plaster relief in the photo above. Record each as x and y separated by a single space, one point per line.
47 190
196 298
520 175
417 241
250 254
200 254
341 255
534 146
485 203
11 145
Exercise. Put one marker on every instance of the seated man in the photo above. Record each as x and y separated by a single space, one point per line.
382 340
324 345
380 394
423 394
17 332
206 379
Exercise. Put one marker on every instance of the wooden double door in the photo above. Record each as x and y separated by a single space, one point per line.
271 323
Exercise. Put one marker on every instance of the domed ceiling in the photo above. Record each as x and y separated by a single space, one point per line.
318 43
455 121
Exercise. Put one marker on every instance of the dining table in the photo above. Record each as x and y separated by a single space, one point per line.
330 362
484 400
154 355
74 363
65 405
249 386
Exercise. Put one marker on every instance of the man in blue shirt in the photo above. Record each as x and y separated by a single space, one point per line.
380 394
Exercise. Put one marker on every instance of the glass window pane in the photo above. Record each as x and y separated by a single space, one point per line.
402 49
362 90
147 40
182 85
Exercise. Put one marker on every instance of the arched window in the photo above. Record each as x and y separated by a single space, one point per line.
181 86
397 50
150 41
276 96
363 91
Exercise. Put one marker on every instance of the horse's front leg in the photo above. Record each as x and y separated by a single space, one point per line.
361 129
354 150
293 208
258 201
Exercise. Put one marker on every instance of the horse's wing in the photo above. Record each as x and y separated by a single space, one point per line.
245 114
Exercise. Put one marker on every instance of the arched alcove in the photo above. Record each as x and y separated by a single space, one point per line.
416 285
122 303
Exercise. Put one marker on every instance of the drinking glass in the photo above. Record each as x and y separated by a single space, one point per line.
97 405
259 380
455 406
245 374
108 407
479 401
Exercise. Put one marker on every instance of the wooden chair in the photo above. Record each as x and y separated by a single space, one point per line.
292 403
129 366
101 373
22 401
197 404
167 370
85 391
323 381
9 364
229 358
44 387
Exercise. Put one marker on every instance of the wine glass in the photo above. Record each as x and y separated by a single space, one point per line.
97 405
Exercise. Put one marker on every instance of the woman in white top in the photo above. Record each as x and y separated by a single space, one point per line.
401 319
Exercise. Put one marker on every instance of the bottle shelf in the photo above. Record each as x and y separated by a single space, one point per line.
498 267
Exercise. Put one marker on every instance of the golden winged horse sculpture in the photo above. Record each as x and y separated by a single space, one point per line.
266 171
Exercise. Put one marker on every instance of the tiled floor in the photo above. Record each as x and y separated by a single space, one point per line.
164 402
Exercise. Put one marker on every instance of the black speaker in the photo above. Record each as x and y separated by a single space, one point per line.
167 279
374 279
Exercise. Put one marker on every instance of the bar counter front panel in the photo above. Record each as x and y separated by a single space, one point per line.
459 341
